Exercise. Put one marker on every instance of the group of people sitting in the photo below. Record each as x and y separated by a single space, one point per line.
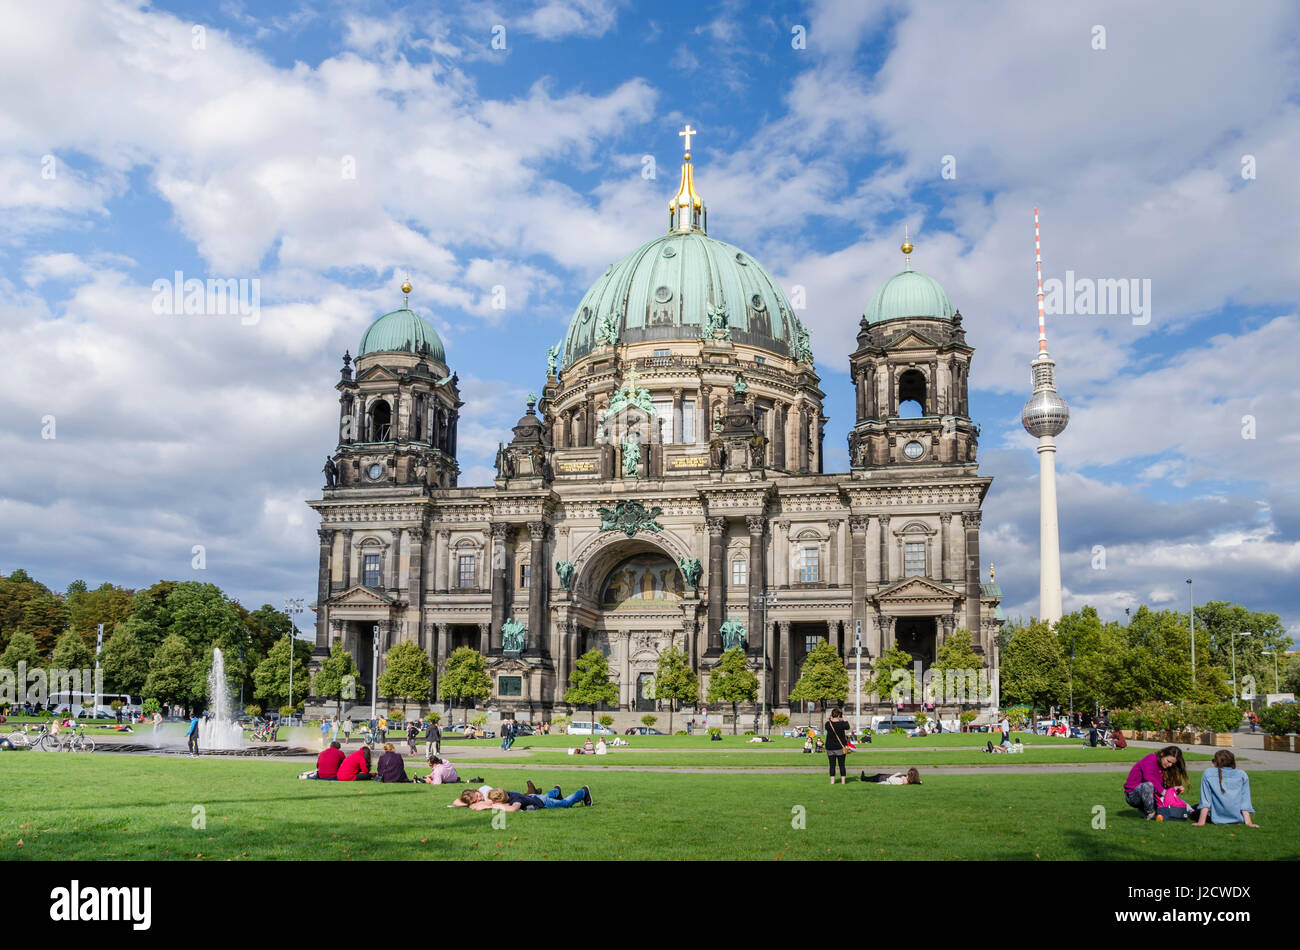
1157 781
597 748
332 765
487 798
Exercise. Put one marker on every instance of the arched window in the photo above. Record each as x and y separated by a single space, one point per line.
381 422
911 394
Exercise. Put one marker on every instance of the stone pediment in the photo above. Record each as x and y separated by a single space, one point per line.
372 373
360 596
914 590
912 340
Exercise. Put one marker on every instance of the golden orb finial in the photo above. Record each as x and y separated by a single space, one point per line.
406 286
991 574
906 248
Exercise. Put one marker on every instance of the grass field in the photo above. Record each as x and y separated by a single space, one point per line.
102 806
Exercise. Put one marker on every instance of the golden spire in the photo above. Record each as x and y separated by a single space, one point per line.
686 210
990 572
406 292
906 248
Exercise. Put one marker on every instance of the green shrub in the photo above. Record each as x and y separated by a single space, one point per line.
607 720
968 717
1224 717
252 710
680 732
151 706
749 732
780 719
1121 719
715 731
433 717
286 710
1280 718
648 721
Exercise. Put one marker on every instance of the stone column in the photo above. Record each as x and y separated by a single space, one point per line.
778 436
441 634
326 536
802 419
785 649
717 582
677 415
500 537
945 520
347 558
833 569
626 688
538 628
442 554
484 638
563 634
590 421
415 582
703 424
971 522
886 632
858 565
885 544
757 572
394 560
890 404
947 623
781 550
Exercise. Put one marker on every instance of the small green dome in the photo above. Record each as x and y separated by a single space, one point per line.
909 293
402 331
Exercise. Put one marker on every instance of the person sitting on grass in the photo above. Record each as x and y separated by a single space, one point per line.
910 777
1225 796
1004 746
391 767
444 773
328 762
588 747
1146 780
356 767
1117 737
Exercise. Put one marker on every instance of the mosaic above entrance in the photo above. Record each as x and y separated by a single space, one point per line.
643 580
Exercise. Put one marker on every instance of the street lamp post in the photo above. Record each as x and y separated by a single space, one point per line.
292 606
1276 687
374 669
99 645
1071 720
765 599
857 643
1191 619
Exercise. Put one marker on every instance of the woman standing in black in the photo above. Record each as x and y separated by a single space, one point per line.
837 742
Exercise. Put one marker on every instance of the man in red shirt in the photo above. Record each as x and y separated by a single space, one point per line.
328 762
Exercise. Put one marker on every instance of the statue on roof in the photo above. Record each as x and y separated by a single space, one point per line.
607 329
715 326
552 359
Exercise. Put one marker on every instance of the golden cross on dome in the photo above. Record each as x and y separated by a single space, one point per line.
630 379
686 133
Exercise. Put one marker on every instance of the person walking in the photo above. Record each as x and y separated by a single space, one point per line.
324 734
347 729
837 743
192 736
157 722
412 733
433 739
334 728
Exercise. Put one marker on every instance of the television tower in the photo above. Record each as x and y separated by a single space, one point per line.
1045 416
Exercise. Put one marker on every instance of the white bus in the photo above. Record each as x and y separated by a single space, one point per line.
83 704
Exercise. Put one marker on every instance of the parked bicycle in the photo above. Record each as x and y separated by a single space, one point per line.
42 739
78 741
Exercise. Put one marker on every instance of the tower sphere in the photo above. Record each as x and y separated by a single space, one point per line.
1045 413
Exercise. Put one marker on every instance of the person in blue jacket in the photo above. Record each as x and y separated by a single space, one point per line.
1225 793
192 736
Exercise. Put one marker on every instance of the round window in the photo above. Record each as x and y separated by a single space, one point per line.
669 252
914 449
740 259
663 294
756 302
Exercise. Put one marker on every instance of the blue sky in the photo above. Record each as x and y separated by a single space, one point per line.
824 128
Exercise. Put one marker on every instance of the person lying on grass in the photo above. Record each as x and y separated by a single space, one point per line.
1225 796
499 799
910 777
1004 747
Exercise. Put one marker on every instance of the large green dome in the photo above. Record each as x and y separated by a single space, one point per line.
402 331
664 291
909 293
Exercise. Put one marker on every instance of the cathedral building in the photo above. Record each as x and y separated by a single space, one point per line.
668 488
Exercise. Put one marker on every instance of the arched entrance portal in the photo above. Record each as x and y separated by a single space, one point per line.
633 598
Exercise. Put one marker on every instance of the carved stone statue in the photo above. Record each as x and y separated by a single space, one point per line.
691 570
756 453
740 385
552 359
565 569
514 636
631 458
607 329
802 346
733 634
331 473
715 324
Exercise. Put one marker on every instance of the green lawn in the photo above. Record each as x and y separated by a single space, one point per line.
867 758
104 806
946 740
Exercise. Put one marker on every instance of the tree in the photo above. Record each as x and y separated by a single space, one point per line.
1033 670
823 677
123 661
45 617
892 677
465 677
71 654
266 627
271 677
105 604
338 678
407 675
171 677
590 684
648 721
732 681
675 681
21 649
957 671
